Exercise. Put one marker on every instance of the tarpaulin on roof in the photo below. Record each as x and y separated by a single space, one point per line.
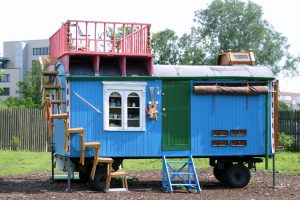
216 89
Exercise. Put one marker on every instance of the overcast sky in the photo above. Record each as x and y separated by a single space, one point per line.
39 19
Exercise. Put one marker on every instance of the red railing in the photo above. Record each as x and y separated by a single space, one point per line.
94 37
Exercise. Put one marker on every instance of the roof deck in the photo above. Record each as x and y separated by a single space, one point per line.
101 38
96 40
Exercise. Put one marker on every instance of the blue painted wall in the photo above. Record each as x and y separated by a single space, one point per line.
227 112
59 128
208 112
113 143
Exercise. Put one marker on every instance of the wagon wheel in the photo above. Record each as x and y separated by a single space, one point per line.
99 181
238 176
84 173
220 174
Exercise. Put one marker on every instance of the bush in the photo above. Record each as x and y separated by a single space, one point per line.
15 143
287 141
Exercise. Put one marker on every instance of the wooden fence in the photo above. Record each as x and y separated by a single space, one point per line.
27 125
289 123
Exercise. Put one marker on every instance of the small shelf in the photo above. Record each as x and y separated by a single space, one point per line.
114 107
133 107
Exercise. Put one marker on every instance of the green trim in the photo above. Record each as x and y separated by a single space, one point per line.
267 133
125 78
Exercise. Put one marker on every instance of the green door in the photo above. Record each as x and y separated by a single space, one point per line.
176 133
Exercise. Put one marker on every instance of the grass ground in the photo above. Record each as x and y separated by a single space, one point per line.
22 162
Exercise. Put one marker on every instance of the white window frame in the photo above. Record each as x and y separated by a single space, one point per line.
124 89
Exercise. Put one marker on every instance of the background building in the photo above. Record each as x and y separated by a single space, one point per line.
18 59
290 98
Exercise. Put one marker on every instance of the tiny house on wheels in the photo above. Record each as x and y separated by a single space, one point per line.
106 101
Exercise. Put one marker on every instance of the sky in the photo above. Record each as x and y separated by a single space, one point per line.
39 19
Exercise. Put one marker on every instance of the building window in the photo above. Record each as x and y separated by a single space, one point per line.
124 106
5 92
40 51
5 78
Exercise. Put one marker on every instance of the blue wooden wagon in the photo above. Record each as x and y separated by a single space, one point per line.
106 101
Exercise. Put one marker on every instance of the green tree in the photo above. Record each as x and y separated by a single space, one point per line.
18 102
190 48
1 74
238 25
30 88
164 45
284 107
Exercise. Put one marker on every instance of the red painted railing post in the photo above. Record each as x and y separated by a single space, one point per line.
104 26
76 46
131 47
95 35
86 37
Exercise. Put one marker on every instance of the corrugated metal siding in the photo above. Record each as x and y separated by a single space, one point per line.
226 112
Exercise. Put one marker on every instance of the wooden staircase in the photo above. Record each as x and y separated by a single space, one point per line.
51 97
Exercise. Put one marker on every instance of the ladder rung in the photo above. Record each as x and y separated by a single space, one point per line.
184 184
59 116
53 87
76 130
49 73
184 173
177 161
91 144
56 101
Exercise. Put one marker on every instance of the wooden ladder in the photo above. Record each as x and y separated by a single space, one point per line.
184 175
51 84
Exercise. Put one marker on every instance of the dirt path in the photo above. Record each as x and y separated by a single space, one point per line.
148 186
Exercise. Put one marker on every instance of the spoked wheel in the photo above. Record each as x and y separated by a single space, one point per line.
238 176
220 174
99 182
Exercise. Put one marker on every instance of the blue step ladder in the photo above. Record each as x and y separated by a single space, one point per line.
179 174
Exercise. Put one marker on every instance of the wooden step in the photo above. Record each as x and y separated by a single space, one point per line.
76 130
91 144
123 175
118 173
51 87
105 160
56 101
60 116
49 73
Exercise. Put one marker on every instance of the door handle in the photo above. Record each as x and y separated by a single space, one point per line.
163 109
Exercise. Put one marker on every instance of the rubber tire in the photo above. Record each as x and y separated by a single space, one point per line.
220 174
238 176
84 174
99 182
